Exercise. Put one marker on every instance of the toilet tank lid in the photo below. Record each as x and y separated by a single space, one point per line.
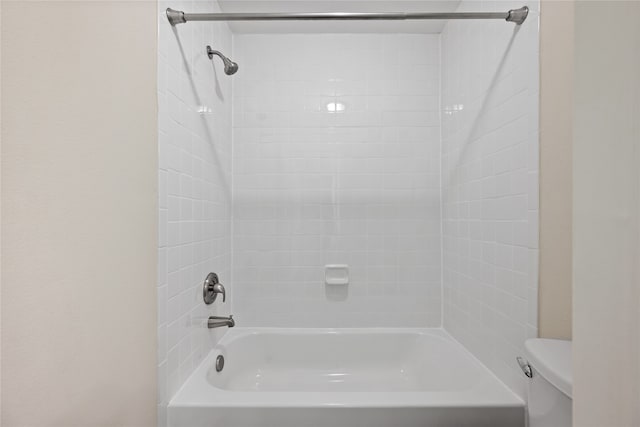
551 359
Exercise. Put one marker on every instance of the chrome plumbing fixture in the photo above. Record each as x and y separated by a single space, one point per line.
526 368
211 288
219 363
176 17
230 67
219 321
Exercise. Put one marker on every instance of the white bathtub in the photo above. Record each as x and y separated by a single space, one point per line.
343 378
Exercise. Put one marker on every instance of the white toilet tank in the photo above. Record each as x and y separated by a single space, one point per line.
549 391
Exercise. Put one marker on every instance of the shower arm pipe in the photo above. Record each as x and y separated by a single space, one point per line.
178 17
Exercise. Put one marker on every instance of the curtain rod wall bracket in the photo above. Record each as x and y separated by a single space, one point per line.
176 17
518 15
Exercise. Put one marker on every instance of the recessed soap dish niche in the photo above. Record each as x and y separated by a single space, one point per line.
336 274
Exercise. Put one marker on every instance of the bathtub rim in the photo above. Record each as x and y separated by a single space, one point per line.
197 392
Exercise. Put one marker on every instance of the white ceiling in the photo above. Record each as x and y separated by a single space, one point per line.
301 6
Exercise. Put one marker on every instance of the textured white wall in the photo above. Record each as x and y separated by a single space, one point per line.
79 213
194 97
490 186
556 127
606 206
0 214
359 186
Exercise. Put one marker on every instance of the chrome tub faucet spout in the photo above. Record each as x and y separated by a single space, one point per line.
218 322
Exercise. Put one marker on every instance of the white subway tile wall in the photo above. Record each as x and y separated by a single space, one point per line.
195 144
337 161
490 186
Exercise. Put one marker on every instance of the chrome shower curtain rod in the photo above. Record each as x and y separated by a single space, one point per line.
178 17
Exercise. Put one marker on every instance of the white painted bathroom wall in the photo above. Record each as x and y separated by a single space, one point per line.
606 207
337 161
490 186
194 97
79 213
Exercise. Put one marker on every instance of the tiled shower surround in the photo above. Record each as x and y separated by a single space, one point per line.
194 148
337 161
490 186
412 158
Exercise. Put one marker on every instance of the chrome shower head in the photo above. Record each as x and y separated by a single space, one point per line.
230 67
